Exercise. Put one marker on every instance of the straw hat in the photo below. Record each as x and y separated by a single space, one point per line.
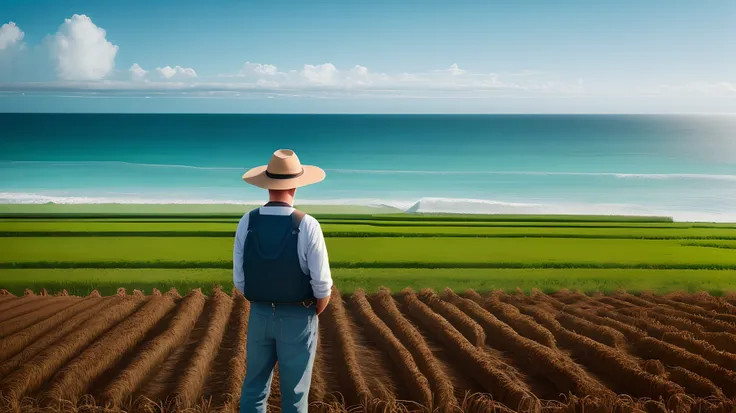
284 171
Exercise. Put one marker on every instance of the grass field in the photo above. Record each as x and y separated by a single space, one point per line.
186 247
108 280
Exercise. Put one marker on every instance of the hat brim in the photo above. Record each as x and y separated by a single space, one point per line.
257 176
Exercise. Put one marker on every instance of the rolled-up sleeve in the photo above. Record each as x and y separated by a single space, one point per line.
240 233
318 260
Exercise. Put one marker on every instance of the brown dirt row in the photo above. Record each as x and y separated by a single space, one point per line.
153 353
689 308
34 372
654 348
23 338
191 382
707 324
414 380
228 370
561 371
71 382
611 364
464 324
64 329
705 301
160 384
670 354
19 306
511 393
18 323
440 384
669 333
354 388
523 324
382 376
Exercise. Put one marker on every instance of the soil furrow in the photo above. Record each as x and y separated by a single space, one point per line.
511 393
416 383
612 365
650 347
381 375
190 384
35 317
472 331
22 306
155 351
34 372
442 388
690 308
76 377
705 301
228 369
158 387
22 340
353 386
523 324
567 376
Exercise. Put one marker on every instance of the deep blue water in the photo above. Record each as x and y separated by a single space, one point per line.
677 165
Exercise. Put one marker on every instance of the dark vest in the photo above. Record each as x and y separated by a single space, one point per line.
271 262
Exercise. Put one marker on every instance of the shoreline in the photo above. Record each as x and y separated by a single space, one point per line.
10 210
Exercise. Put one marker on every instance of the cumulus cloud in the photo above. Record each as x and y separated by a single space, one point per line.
324 74
177 72
257 69
137 72
81 51
10 35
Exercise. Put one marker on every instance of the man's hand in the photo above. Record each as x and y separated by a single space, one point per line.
322 304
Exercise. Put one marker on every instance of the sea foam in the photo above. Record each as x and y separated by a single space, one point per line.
423 205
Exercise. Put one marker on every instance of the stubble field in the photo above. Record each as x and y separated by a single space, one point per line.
389 351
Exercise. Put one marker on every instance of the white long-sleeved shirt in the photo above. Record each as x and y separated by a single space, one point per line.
313 258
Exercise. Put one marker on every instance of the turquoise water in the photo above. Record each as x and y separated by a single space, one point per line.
682 166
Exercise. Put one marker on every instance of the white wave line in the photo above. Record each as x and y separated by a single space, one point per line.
620 175
152 165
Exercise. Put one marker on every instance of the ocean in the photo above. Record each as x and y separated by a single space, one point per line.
678 166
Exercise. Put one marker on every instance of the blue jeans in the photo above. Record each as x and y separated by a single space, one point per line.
287 334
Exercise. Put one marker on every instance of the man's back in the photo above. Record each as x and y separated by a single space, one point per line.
311 249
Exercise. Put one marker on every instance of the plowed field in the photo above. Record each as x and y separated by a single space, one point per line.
389 351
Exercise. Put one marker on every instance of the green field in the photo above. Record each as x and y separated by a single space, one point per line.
90 247
107 281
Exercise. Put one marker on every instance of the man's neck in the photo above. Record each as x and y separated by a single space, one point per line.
275 202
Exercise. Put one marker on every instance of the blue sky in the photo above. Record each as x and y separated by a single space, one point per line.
402 56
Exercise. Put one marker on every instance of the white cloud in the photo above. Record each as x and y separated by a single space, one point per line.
322 74
360 70
312 80
137 72
455 70
177 72
81 50
10 35
257 69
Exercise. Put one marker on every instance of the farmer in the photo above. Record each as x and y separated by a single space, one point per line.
280 265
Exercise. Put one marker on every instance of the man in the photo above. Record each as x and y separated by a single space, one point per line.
280 264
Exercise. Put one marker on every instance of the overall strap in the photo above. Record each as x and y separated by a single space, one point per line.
296 219
253 218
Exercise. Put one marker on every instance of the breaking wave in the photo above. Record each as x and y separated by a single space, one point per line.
423 205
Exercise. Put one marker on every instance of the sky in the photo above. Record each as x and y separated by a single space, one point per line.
380 56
